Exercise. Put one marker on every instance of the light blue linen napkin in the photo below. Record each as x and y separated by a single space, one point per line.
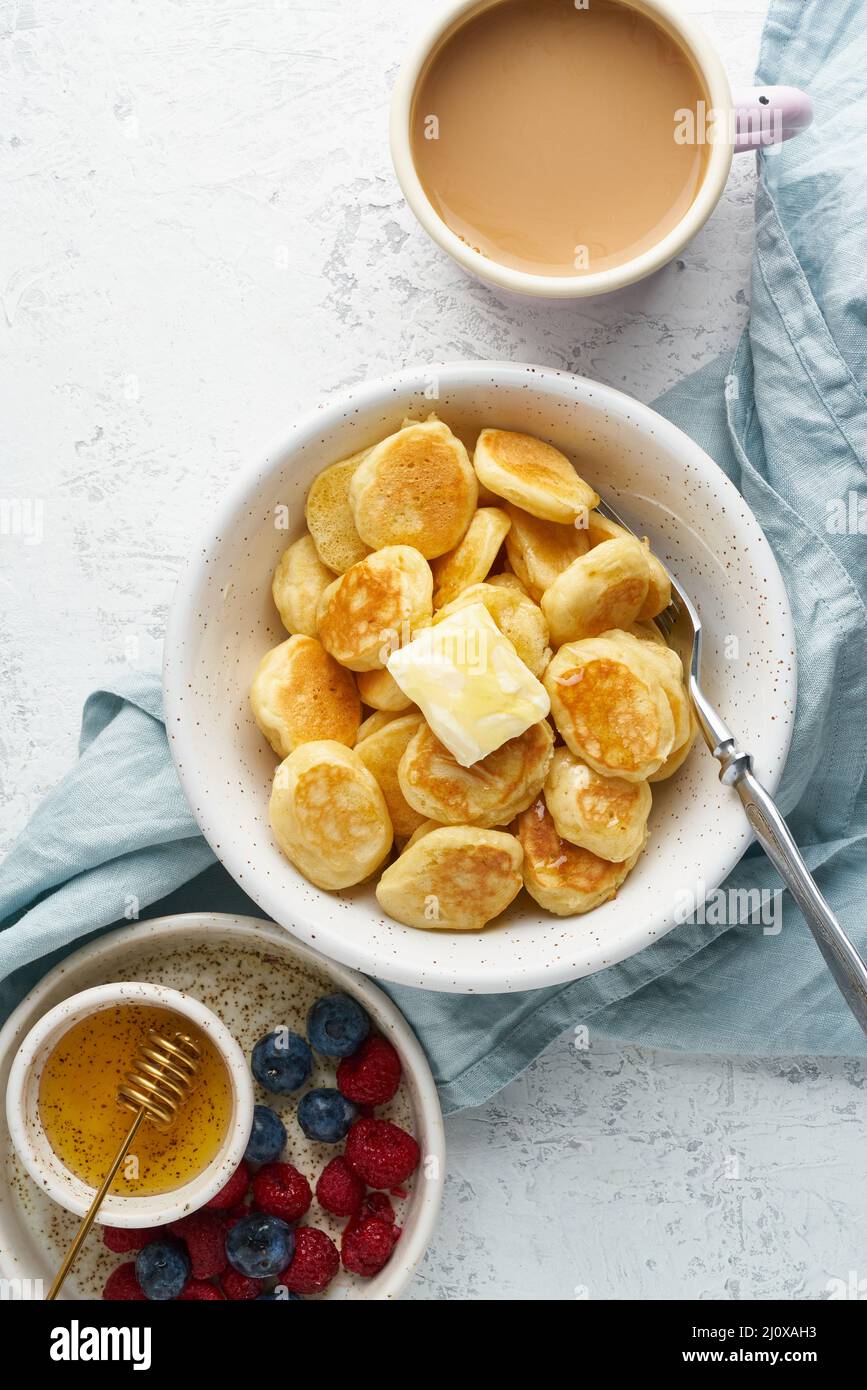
787 421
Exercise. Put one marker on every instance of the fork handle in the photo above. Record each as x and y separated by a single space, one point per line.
776 840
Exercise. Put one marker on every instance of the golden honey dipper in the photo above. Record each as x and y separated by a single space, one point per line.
154 1088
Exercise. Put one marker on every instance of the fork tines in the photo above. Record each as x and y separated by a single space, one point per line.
666 620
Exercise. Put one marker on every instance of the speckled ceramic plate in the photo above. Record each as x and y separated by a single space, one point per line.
254 977
223 621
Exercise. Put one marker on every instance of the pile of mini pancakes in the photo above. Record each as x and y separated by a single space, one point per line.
400 536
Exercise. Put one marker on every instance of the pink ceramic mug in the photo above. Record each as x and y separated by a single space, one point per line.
733 123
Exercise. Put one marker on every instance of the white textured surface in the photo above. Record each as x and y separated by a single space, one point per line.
202 235
623 1173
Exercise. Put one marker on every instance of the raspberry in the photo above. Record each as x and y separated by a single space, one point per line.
120 1242
280 1190
338 1189
314 1263
204 1234
122 1286
380 1153
234 1191
237 1214
367 1244
371 1075
198 1291
377 1205
238 1287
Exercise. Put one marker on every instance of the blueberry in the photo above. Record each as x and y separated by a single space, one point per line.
282 1061
162 1268
278 1297
337 1025
259 1245
267 1137
326 1115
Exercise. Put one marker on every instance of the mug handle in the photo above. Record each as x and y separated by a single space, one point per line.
767 115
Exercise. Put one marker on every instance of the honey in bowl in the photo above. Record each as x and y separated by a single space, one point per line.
85 1124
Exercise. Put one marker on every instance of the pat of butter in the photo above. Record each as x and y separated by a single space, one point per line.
469 683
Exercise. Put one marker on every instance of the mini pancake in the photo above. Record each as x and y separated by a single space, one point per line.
517 617
507 580
430 418
300 693
424 829
610 707
669 672
600 529
532 474
678 756
562 877
658 588
489 793
603 814
539 551
646 632
374 722
603 589
380 690
381 752
328 815
375 607
299 582
452 878
329 516
471 559
416 488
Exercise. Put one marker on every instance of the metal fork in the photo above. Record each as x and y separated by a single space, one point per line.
681 623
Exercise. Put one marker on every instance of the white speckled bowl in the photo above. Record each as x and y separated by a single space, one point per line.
223 621
253 976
